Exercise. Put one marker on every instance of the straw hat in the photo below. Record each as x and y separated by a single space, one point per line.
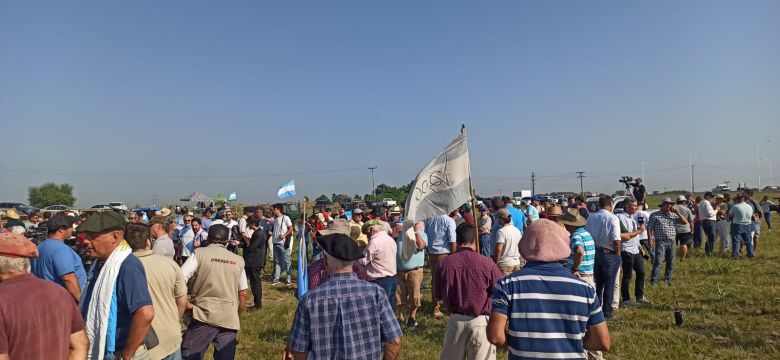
572 217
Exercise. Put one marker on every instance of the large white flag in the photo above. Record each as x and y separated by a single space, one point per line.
442 185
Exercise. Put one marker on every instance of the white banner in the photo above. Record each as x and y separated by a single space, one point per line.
442 185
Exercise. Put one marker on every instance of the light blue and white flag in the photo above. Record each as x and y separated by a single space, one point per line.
303 263
232 197
286 190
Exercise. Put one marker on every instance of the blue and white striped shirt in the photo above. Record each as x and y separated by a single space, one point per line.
582 238
548 309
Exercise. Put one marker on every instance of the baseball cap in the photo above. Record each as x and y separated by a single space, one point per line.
680 197
506 199
504 213
668 200
536 198
357 211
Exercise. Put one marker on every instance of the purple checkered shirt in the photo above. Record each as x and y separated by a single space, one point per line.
344 318
465 282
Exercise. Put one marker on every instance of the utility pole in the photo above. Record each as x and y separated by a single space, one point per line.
373 186
580 175
644 180
690 162
758 166
758 163
533 183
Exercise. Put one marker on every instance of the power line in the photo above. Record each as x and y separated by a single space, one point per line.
189 176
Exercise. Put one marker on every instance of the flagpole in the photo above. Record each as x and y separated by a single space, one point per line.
473 198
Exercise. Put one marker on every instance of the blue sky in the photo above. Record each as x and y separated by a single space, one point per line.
135 101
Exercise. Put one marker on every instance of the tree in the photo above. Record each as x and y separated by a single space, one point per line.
357 197
322 197
51 194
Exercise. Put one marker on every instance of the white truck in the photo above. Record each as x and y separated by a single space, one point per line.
388 202
721 188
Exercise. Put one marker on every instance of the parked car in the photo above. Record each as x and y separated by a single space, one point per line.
119 205
103 207
388 202
58 208
23 208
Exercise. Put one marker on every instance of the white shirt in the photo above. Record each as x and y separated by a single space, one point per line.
644 215
509 235
706 212
186 237
630 246
243 228
191 266
281 224
604 227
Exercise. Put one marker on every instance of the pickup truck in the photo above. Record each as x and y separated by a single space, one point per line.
388 202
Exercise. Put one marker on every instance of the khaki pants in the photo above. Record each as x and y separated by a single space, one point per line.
616 298
506 270
408 290
466 338
433 261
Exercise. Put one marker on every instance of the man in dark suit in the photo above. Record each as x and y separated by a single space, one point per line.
254 258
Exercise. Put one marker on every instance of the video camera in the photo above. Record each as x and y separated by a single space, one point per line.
626 180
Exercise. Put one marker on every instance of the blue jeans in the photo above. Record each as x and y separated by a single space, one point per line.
485 246
175 356
697 234
663 250
741 234
708 226
281 261
768 219
389 284
604 273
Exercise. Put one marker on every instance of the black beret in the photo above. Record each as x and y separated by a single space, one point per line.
341 247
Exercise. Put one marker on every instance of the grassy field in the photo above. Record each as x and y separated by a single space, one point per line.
731 309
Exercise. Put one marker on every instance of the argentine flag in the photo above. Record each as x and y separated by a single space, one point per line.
303 263
286 190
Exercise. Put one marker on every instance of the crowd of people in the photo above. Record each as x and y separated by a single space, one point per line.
540 279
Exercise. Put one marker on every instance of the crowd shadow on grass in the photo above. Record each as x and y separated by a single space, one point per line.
273 335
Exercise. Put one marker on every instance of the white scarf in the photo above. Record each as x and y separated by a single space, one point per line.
99 304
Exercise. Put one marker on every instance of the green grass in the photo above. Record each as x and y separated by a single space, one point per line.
731 309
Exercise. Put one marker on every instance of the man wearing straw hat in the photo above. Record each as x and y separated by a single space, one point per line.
551 314
661 231
583 250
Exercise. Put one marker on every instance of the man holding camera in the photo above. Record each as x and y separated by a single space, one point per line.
639 192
